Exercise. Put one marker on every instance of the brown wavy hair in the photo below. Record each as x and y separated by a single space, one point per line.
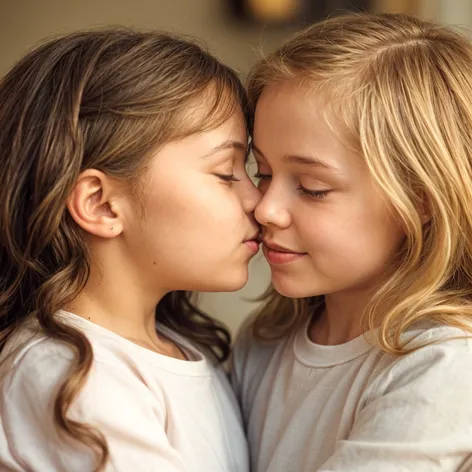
401 89
103 99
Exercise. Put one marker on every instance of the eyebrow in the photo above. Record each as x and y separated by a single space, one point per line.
230 144
302 160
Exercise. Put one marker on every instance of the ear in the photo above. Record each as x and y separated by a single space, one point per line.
93 204
425 209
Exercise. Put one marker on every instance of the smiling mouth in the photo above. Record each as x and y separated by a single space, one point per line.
277 255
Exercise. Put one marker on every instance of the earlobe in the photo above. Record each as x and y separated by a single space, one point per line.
423 207
425 218
425 211
91 204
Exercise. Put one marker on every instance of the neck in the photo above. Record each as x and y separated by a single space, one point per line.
116 297
341 319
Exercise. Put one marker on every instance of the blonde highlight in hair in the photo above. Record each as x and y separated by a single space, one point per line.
104 99
400 88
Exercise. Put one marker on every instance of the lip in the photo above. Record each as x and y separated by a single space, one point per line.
277 255
253 243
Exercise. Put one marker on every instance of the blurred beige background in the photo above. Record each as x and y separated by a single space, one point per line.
25 22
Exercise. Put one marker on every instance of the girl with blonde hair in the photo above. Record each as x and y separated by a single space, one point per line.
360 360
123 187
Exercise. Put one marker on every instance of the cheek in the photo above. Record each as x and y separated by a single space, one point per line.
202 212
349 233
324 227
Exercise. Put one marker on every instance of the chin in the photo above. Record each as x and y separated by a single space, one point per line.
230 282
233 284
290 287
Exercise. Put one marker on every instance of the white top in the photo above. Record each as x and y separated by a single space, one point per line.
354 408
157 413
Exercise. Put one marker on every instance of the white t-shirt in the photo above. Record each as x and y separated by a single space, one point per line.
157 413
354 408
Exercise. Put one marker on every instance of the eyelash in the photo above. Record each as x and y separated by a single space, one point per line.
260 176
315 194
227 177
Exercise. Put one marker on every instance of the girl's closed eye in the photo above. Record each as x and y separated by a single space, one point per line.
233 166
311 187
262 176
315 194
230 177
226 172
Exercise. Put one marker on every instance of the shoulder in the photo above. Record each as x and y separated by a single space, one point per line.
434 346
115 399
34 367
438 364
33 360
415 413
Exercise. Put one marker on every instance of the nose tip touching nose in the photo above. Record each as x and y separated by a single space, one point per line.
271 211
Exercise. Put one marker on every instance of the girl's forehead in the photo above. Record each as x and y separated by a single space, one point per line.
210 109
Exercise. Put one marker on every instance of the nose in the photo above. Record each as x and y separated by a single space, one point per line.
272 209
250 196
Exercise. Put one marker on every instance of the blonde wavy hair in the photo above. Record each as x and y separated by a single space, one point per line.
105 100
402 90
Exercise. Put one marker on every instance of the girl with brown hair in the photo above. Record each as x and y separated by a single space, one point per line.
123 187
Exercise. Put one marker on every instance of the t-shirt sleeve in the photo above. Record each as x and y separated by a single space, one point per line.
416 416
114 400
